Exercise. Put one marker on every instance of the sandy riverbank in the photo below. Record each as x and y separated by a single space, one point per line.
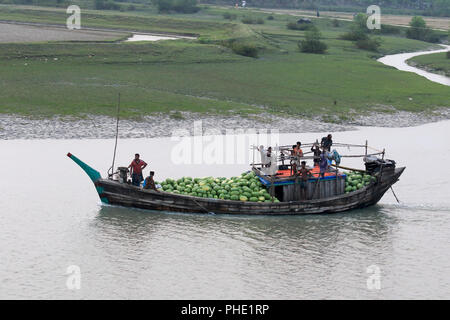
163 125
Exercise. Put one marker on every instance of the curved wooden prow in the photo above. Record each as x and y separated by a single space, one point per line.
92 173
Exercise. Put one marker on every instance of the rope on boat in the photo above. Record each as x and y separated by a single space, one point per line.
208 212
392 189
380 151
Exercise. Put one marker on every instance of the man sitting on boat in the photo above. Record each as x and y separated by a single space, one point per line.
149 183
136 167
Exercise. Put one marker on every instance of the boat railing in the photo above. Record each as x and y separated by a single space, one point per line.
283 153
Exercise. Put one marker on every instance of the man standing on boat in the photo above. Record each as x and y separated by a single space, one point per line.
136 167
323 164
327 142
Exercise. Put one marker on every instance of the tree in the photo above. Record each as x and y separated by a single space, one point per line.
359 34
419 30
358 29
312 43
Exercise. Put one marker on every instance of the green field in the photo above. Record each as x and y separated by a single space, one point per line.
437 62
204 75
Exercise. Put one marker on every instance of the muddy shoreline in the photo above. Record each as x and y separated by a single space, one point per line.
164 125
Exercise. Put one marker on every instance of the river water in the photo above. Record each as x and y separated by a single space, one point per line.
149 37
51 219
399 61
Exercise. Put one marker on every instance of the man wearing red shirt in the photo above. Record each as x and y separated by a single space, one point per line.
136 167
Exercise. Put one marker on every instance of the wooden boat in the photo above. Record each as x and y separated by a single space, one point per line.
325 195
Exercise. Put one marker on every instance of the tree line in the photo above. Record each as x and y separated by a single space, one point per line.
413 7
422 7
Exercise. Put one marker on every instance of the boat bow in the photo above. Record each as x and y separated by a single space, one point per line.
93 174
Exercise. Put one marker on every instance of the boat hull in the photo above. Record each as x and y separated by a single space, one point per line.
122 194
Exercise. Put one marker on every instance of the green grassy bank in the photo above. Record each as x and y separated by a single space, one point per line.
205 75
436 62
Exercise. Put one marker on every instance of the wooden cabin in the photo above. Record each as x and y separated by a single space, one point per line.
283 184
286 187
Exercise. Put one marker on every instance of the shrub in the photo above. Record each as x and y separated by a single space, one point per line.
387 29
271 17
182 6
248 20
106 5
260 21
245 49
229 16
335 23
371 44
432 37
448 54
354 35
298 26
312 46
312 43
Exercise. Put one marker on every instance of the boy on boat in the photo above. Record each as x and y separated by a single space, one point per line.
316 151
149 183
294 160
136 167
304 174
298 149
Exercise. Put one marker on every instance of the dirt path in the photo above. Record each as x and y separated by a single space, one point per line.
439 23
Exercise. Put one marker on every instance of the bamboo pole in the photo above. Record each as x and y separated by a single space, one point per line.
347 168
253 163
360 156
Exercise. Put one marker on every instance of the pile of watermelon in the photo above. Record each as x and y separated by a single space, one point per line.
356 181
246 187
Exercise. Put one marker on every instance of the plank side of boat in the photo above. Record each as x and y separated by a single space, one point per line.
122 194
